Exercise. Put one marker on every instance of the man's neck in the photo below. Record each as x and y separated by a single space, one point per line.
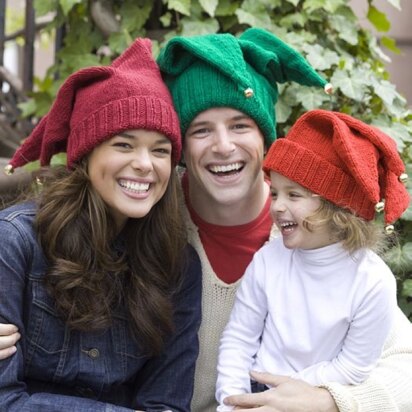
230 214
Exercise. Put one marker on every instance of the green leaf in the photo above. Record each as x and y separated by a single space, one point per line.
28 108
133 15
406 307
181 6
310 98
374 47
283 111
59 159
294 2
390 44
328 5
378 19
395 3
397 131
67 5
226 8
312 5
32 166
407 284
344 23
293 20
193 28
395 259
321 58
79 61
43 7
44 85
209 6
385 90
166 19
407 253
260 19
118 42
350 84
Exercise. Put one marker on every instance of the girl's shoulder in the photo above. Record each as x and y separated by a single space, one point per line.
273 246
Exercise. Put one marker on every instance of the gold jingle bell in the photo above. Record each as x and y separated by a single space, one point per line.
328 88
379 207
8 170
389 229
403 178
248 92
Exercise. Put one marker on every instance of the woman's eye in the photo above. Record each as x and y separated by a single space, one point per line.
124 145
163 150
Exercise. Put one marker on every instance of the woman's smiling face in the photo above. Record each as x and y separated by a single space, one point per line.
130 172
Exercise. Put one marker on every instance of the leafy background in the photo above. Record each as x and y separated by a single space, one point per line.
327 32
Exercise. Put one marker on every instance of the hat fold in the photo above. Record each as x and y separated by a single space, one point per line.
95 103
276 60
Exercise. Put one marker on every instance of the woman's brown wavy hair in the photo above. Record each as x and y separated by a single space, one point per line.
94 271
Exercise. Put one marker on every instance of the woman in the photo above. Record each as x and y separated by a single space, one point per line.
95 271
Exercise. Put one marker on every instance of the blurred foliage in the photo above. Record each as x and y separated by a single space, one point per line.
327 32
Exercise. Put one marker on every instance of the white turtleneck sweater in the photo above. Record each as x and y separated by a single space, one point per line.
319 315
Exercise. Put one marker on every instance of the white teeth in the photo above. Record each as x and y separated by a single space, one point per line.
225 168
134 186
286 224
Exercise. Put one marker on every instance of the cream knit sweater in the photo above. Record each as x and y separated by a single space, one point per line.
388 389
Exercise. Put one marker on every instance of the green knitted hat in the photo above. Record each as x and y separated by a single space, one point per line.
221 70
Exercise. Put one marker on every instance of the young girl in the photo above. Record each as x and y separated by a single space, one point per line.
95 271
317 303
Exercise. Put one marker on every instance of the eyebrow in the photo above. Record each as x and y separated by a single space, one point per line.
234 118
160 140
290 187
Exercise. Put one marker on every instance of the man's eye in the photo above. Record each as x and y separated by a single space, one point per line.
201 131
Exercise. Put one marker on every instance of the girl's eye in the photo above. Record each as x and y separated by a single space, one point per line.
273 194
294 195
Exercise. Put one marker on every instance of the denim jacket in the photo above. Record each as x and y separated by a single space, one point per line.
58 369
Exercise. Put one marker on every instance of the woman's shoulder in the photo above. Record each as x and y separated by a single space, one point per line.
19 218
25 211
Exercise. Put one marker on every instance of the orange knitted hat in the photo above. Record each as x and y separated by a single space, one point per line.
349 163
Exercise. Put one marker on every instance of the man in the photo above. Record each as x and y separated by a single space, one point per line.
224 90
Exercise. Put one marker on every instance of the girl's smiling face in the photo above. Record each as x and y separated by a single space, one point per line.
291 205
130 171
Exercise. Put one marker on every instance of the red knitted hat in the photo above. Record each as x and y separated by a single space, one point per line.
96 103
344 160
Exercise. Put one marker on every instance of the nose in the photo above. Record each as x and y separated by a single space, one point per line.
223 143
277 206
142 161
